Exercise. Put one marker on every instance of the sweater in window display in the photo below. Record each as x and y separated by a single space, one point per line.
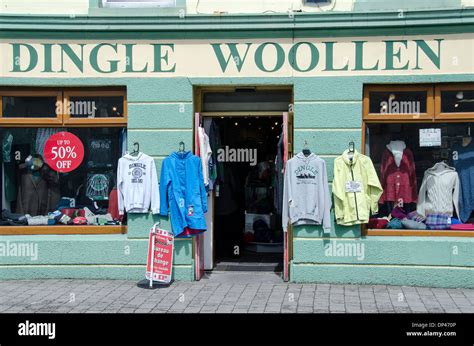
398 174
439 192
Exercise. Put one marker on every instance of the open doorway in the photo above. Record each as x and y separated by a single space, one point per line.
245 128
247 226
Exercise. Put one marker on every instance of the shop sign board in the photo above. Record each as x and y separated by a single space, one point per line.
279 57
63 152
160 256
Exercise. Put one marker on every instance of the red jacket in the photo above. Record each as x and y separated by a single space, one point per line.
398 182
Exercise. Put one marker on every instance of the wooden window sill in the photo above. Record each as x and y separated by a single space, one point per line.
76 229
419 233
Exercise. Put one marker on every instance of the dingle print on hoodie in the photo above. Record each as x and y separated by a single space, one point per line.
137 184
306 198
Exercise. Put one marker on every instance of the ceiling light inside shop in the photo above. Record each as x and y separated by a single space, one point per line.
460 95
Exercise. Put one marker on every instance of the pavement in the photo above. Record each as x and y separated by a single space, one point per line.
226 292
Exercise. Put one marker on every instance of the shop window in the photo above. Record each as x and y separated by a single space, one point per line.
455 101
24 106
102 106
400 102
40 197
424 165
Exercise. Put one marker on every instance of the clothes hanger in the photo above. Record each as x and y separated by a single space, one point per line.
351 146
136 149
306 152
181 147
467 139
351 150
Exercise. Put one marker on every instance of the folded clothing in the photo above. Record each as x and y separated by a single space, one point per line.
377 223
455 221
395 223
463 227
14 217
437 221
37 220
411 224
415 217
399 213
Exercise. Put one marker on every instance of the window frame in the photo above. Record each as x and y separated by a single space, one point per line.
389 117
459 116
63 121
436 117
57 120
109 121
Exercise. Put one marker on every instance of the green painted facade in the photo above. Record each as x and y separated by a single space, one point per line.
327 113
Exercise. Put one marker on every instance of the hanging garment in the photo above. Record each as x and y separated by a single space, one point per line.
398 174
123 141
98 185
100 152
7 146
439 191
137 184
182 192
205 153
113 209
278 191
42 136
306 199
356 188
209 126
227 202
38 191
463 162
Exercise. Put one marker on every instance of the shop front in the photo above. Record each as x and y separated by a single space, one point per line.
336 156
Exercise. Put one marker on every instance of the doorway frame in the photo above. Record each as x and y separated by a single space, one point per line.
198 96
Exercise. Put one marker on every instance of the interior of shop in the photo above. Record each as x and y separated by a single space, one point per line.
246 226
33 194
245 131
424 149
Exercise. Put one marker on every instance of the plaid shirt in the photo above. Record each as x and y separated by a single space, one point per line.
437 221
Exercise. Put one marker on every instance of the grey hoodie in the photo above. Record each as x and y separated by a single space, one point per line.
306 198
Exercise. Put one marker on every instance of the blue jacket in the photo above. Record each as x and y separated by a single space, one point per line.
182 188
463 161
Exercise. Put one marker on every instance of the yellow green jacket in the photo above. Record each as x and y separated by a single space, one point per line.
354 206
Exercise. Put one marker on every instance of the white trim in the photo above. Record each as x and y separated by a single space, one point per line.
138 3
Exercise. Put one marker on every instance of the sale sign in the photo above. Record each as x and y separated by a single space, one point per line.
63 152
160 255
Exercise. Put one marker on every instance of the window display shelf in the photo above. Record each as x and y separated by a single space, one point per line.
419 233
83 229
